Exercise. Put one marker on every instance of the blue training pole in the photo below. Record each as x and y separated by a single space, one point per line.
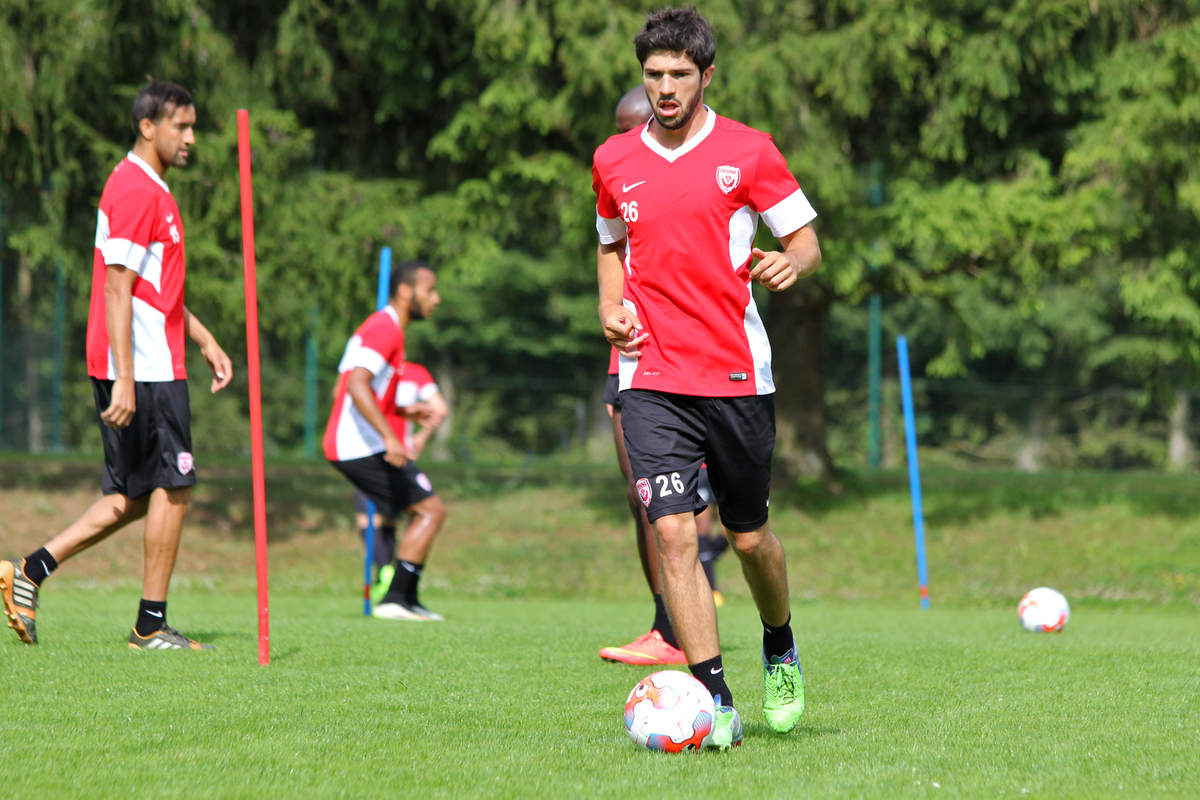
914 471
381 300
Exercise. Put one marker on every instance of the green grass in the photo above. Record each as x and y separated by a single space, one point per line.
508 699
535 571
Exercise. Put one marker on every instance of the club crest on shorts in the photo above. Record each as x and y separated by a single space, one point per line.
728 178
424 482
184 462
644 491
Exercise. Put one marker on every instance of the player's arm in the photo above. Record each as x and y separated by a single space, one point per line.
218 362
801 255
358 385
118 318
620 324
434 415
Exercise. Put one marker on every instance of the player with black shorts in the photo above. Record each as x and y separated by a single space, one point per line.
137 324
681 199
361 444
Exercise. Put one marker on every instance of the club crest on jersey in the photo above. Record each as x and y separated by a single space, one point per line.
644 491
184 462
728 178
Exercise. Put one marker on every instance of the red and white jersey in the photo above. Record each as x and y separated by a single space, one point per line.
414 386
138 227
689 216
378 347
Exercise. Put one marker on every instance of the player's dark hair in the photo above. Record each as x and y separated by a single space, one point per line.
405 272
158 99
677 30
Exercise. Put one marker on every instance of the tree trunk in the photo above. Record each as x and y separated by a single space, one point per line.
1179 445
798 321
28 349
1029 456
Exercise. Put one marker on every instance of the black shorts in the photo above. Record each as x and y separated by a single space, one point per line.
670 435
155 450
393 489
612 394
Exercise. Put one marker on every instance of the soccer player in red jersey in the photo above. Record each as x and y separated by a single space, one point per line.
681 198
418 403
361 444
658 645
135 356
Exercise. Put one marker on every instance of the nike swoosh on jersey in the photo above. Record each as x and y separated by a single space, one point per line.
631 186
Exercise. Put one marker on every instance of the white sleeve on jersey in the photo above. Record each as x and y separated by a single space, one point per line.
610 230
789 215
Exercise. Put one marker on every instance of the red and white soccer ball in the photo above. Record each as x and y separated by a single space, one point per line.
669 711
1043 610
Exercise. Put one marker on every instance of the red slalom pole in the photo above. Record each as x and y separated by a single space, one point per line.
256 429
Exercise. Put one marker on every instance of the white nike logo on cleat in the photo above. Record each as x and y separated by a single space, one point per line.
631 186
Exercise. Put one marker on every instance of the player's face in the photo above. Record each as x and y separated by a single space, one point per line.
675 87
174 136
424 297
630 118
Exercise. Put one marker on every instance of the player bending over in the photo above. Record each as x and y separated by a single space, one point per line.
361 444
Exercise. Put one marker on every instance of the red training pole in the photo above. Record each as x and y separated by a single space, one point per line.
256 429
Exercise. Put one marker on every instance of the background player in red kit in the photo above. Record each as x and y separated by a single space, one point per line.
418 410
682 198
135 356
657 645
361 444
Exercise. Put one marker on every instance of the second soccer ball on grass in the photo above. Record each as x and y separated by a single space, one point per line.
1043 610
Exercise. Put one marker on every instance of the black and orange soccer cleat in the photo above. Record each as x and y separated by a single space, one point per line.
20 600
165 638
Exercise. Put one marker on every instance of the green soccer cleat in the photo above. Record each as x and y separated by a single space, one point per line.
726 729
381 586
20 598
783 691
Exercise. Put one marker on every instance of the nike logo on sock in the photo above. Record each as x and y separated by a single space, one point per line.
715 671
155 614
45 568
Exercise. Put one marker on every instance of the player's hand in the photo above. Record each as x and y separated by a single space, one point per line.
421 413
622 330
121 406
775 270
222 367
395 454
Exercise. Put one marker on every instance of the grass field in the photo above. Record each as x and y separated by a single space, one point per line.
535 571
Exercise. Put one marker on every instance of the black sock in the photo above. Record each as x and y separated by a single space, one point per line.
385 545
38 565
710 570
152 616
712 674
662 621
404 583
777 641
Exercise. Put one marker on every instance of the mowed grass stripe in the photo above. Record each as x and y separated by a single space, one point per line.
509 699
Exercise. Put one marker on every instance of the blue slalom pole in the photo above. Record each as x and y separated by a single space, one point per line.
381 300
914 472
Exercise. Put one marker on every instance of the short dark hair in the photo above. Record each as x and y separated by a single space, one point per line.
156 100
405 272
677 30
